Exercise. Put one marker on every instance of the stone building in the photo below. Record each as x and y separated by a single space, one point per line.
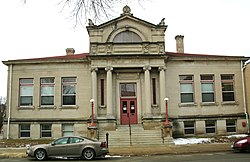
131 80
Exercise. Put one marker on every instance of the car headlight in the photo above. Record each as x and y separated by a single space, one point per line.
242 141
28 147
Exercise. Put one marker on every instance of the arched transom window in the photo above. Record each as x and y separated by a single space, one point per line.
127 36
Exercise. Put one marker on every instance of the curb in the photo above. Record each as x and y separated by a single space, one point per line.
145 150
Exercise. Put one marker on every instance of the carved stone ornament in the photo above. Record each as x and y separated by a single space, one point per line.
109 68
126 10
162 23
145 68
91 22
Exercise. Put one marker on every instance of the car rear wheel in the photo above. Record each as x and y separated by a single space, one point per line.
40 154
88 154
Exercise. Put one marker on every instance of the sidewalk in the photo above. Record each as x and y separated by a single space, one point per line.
139 150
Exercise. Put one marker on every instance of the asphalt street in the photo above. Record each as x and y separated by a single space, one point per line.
199 157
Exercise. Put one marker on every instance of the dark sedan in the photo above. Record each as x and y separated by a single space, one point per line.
69 147
242 144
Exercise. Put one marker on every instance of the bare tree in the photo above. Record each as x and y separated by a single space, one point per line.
97 10
2 110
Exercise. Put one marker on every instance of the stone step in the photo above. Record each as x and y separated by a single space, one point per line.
139 136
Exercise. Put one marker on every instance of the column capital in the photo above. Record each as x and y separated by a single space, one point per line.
94 69
147 67
109 68
162 68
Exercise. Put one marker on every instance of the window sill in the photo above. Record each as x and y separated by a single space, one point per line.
102 107
26 107
155 106
46 107
69 107
230 103
187 104
209 104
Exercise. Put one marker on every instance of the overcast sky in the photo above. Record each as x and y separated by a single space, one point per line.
39 29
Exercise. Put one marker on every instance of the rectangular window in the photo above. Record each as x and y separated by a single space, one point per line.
46 130
24 130
189 127
128 89
47 88
227 84
69 91
207 88
186 88
210 126
102 92
68 129
231 125
154 90
26 92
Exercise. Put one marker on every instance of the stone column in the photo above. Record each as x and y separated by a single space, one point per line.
162 89
109 92
147 91
94 88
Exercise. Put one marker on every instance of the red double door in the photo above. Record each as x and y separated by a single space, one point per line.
128 109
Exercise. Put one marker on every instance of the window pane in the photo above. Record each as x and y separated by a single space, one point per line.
229 96
207 87
227 77
230 122
26 100
68 80
188 124
46 134
127 36
26 90
25 127
25 134
67 127
128 90
47 100
208 97
187 97
207 77
186 77
210 130
69 100
47 80
69 89
68 134
47 90
231 129
227 87
46 127
26 81
186 88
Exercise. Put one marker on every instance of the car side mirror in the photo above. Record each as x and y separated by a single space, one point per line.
52 143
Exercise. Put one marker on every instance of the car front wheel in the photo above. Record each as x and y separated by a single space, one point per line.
88 154
40 154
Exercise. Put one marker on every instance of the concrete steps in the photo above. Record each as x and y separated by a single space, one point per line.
139 136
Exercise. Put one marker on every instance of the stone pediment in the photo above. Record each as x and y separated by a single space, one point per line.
127 35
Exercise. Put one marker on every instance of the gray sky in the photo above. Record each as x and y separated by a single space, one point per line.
39 29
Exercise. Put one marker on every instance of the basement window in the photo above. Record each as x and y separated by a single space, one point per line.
189 127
